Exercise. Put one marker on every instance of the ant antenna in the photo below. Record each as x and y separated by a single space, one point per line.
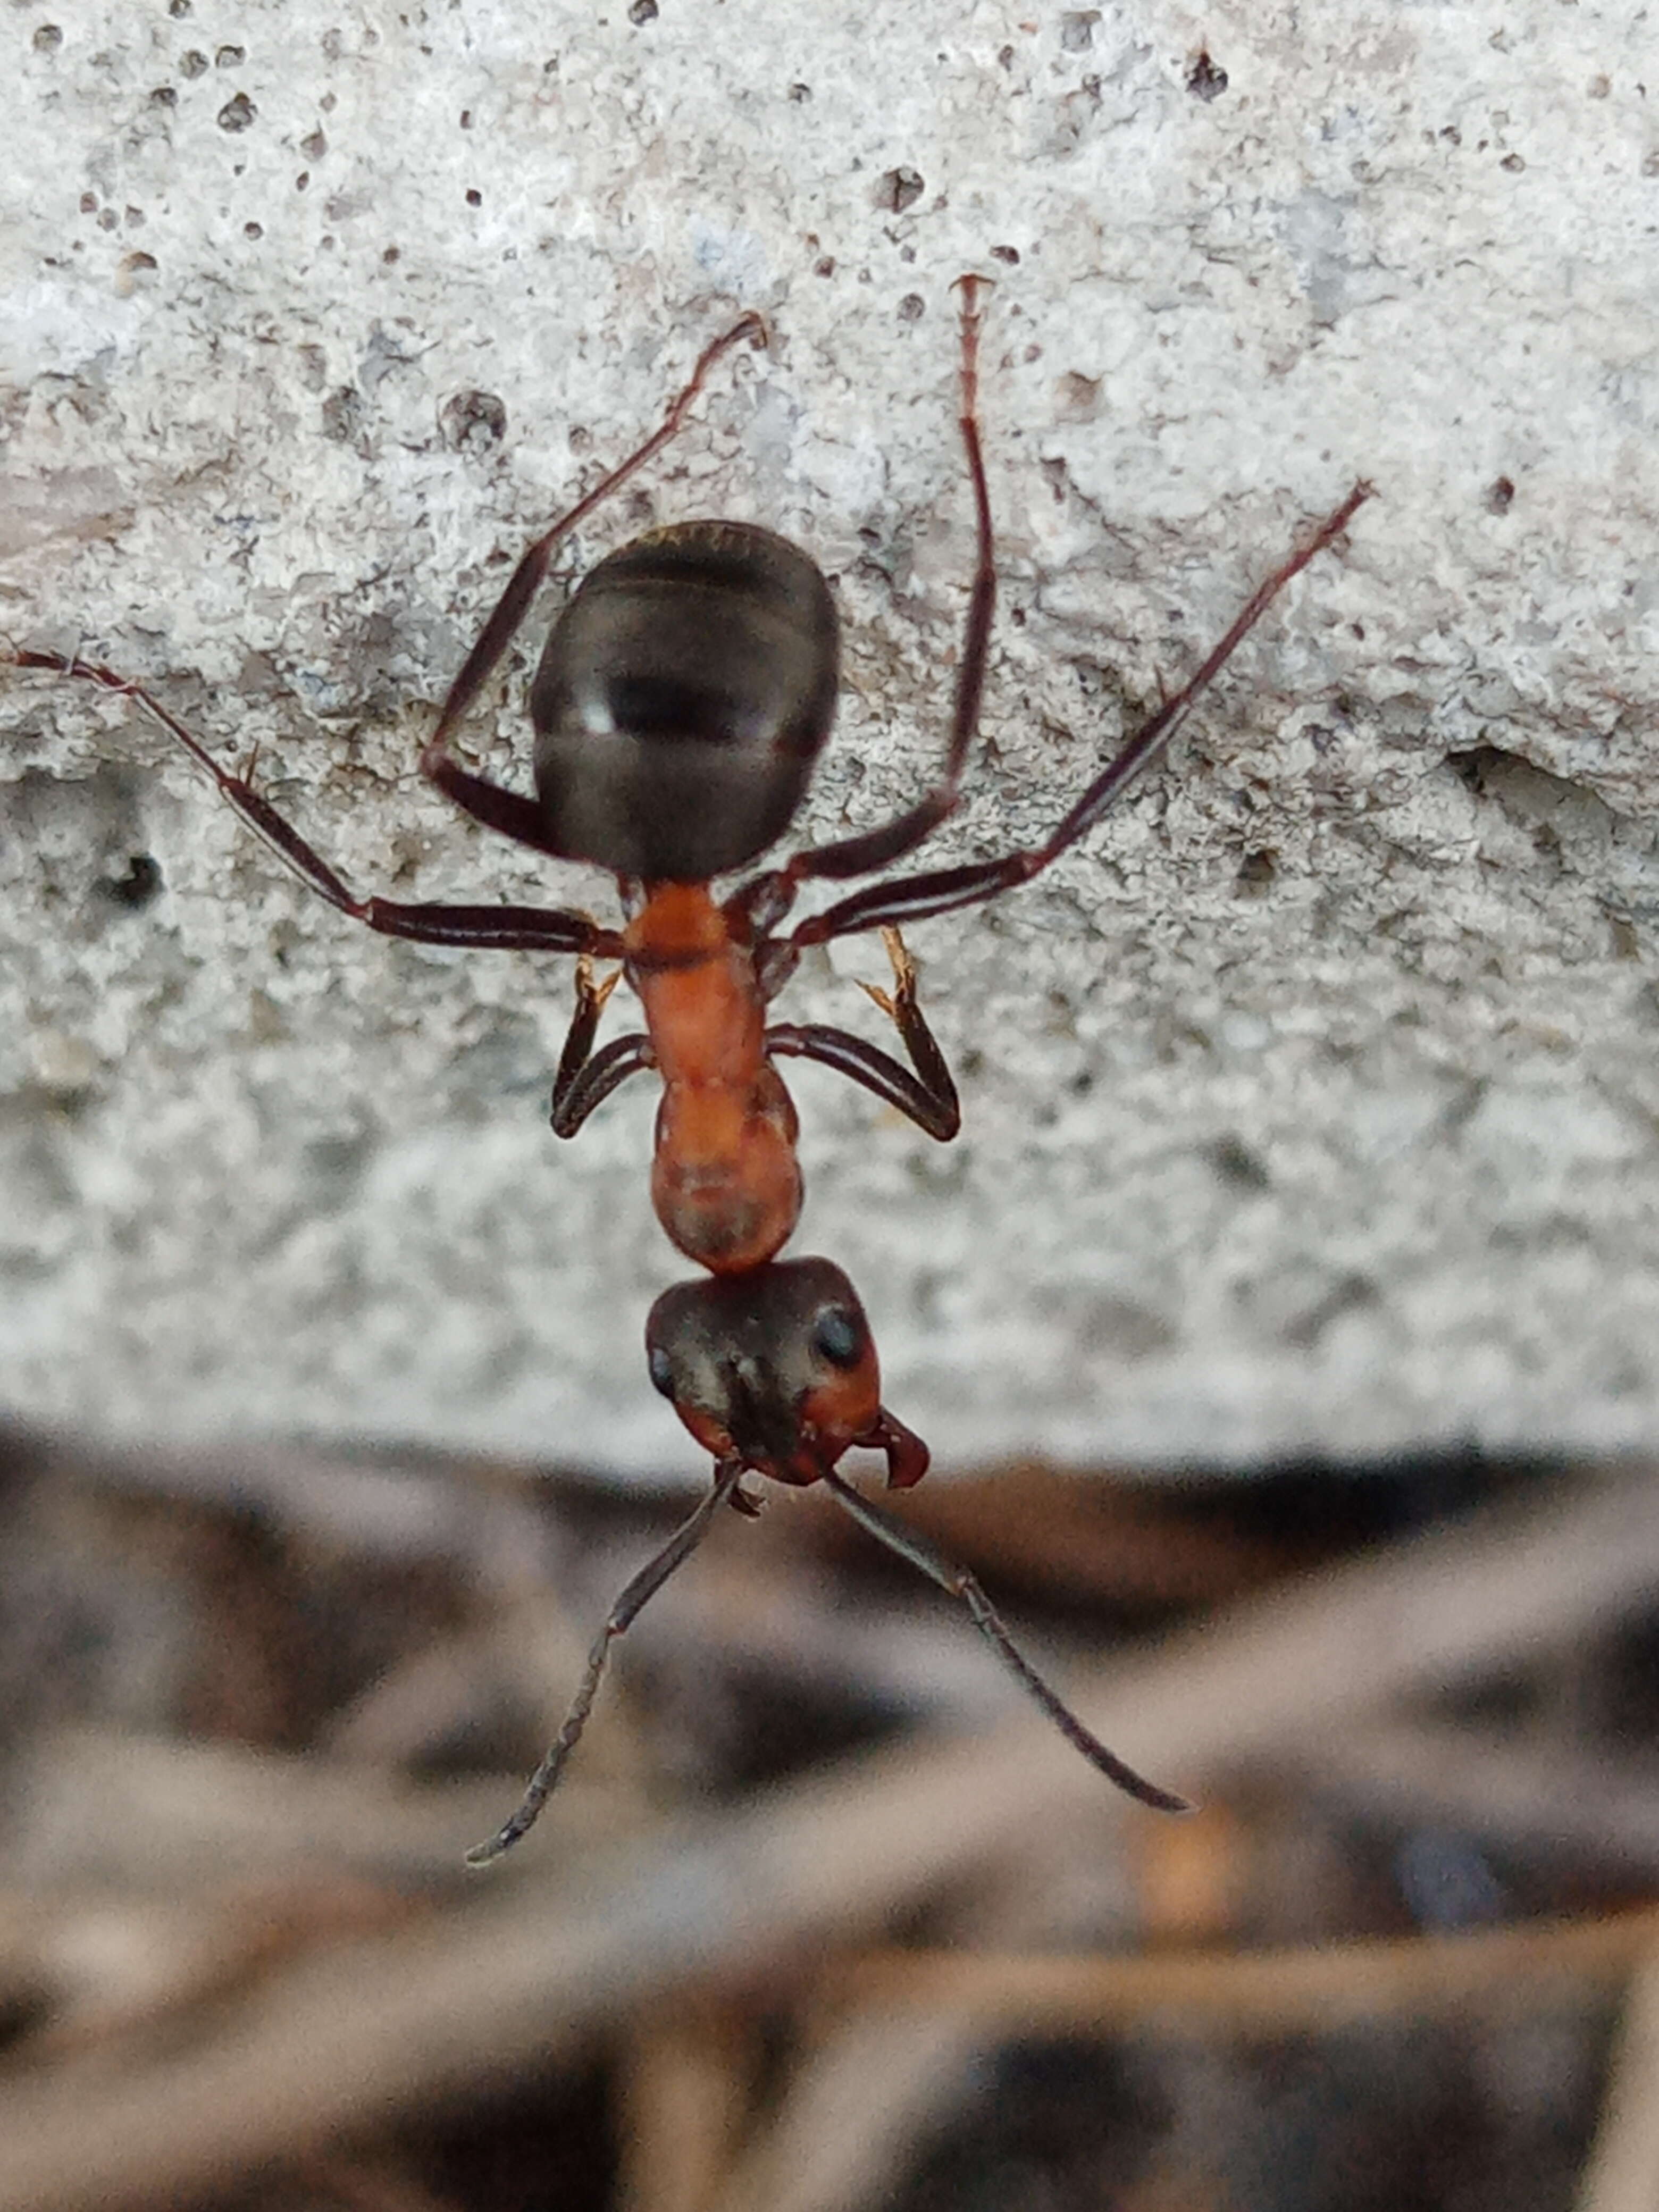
623 1614
956 1582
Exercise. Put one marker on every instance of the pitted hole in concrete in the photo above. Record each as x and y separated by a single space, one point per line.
1008 253
472 421
1077 30
641 12
1255 874
899 189
1476 767
238 113
1123 1328
86 837
313 146
912 308
47 38
1563 818
254 230
335 1166
1349 1293
137 886
193 64
1077 398
343 415
1205 79
229 56
1236 1165
1500 495
164 96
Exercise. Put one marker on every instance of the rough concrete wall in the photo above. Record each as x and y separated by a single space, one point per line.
1312 1104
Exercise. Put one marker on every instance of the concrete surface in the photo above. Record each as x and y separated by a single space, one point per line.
1313 1105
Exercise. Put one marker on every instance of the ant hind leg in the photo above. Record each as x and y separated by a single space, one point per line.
494 806
508 928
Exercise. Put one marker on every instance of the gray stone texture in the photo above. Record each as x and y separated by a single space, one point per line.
1313 1105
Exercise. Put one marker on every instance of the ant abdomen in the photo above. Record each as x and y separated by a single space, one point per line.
684 694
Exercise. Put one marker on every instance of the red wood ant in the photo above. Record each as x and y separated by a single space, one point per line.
774 1372
681 699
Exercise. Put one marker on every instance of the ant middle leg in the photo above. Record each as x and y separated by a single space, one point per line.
497 808
507 928
928 1097
942 890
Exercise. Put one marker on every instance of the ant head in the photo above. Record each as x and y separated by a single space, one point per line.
776 1369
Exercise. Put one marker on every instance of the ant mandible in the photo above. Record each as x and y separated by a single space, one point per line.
682 698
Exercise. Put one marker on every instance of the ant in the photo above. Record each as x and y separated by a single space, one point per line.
682 698
774 1372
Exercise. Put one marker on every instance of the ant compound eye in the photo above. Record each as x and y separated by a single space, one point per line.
662 1371
839 1335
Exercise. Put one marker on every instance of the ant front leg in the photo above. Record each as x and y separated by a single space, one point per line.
928 1097
500 928
586 1079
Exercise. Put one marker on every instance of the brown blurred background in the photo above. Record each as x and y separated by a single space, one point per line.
822 1917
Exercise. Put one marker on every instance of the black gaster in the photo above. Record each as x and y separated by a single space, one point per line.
684 696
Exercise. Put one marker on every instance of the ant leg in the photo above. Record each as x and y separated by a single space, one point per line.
929 1096
942 890
958 1583
621 1617
591 999
593 1082
505 928
903 1009
586 1078
771 895
508 812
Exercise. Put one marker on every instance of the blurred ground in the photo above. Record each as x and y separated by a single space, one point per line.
822 1917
